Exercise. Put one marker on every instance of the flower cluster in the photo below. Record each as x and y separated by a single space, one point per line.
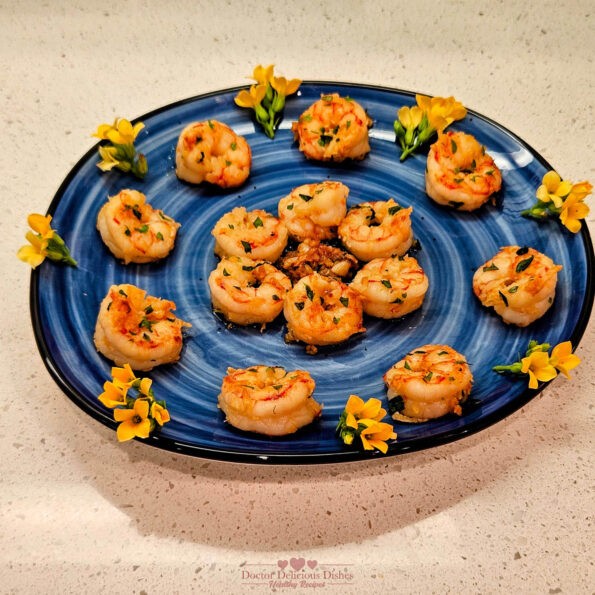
416 125
44 242
539 365
139 415
361 422
119 152
560 198
267 97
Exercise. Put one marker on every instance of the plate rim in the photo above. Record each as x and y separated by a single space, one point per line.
348 455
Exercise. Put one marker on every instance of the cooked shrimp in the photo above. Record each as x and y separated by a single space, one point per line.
459 172
212 152
254 234
322 311
311 256
268 400
428 382
248 291
138 329
519 283
391 287
133 230
333 128
313 211
377 229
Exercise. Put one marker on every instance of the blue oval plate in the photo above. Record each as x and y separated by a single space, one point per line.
65 300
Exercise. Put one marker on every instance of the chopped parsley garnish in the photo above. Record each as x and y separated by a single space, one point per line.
503 298
257 222
299 305
522 250
146 337
290 206
513 289
344 301
309 292
122 292
394 209
136 212
325 139
225 273
143 228
305 197
387 283
159 236
127 231
146 323
428 376
491 267
396 405
247 246
148 309
521 266
453 146
234 146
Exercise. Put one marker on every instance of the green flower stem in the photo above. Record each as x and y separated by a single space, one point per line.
59 252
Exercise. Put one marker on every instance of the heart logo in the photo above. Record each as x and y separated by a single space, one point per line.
312 564
282 563
297 563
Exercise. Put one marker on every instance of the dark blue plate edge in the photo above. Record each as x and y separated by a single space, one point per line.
348 455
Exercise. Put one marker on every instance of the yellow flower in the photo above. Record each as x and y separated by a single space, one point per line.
251 98
159 414
441 111
375 435
108 158
563 359
539 368
581 190
113 395
285 87
35 253
41 225
121 132
410 117
145 387
123 376
263 75
553 189
133 422
370 410
573 210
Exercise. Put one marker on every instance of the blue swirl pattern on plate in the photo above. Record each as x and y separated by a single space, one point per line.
65 301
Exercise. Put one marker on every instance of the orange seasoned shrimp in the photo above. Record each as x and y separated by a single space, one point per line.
333 128
428 382
254 234
322 311
138 329
268 400
133 230
248 291
459 172
519 283
212 152
377 229
391 287
313 211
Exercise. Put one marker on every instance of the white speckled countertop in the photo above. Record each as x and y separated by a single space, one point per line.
509 509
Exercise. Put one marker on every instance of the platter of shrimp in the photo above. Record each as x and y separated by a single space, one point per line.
326 272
